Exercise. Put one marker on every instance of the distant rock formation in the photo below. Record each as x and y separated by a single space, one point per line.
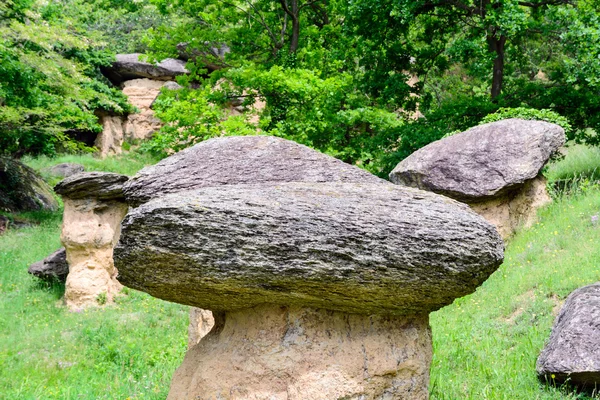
94 209
141 83
495 168
65 170
22 189
572 355
321 275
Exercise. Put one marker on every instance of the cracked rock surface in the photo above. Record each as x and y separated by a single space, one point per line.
358 248
240 160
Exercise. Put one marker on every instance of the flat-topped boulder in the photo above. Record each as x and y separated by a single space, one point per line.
572 355
98 185
129 66
495 167
358 248
240 160
483 162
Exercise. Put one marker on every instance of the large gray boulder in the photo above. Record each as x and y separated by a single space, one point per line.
358 248
484 162
572 354
234 160
129 66
52 268
22 189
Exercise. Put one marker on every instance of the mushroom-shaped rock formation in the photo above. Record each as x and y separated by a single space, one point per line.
240 160
321 275
94 209
129 66
572 354
495 168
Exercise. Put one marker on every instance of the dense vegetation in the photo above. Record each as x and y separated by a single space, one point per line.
366 81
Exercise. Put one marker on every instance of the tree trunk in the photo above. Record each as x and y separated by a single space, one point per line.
498 45
295 27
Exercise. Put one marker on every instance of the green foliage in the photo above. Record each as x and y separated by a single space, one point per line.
530 114
48 87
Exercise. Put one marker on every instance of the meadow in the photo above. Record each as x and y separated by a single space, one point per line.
485 344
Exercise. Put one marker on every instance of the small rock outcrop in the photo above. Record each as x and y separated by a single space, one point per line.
321 276
136 127
65 170
495 168
129 66
94 208
22 189
572 355
52 268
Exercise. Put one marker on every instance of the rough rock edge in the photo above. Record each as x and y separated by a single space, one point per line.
332 224
98 185
52 268
254 160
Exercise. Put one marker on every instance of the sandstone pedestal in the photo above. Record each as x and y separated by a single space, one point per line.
91 227
292 353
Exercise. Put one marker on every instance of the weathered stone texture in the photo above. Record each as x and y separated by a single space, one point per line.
290 353
91 227
251 160
96 185
201 322
54 267
129 66
484 162
572 354
358 248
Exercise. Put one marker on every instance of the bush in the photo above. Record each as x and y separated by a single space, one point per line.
530 114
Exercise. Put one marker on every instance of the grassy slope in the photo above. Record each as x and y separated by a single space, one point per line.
125 351
485 344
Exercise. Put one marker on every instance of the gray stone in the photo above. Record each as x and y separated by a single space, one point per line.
357 248
22 189
129 66
96 185
240 160
484 162
65 170
572 354
54 267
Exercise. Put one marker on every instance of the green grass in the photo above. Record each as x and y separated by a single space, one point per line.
486 344
579 162
128 350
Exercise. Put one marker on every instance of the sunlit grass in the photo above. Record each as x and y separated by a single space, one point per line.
486 344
